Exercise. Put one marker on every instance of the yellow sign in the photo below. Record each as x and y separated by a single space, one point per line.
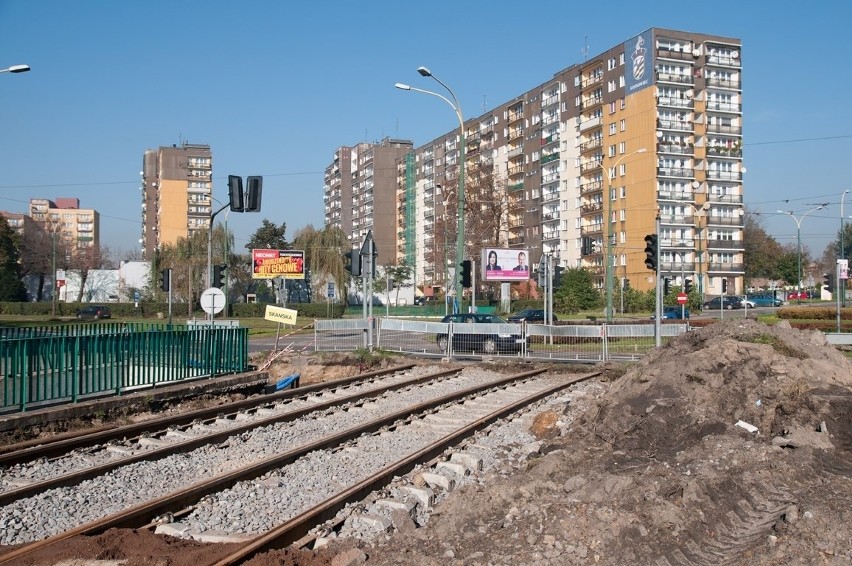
278 314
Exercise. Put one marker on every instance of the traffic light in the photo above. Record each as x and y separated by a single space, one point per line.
255 184
687 286
166 276
353 262
219 276
557 276
465 274
725 285
651 251
235 193
666 284
828 282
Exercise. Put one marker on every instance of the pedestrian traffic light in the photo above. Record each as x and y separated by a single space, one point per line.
687 286
353 262
466 279
828 282
725 285
166 276
666 284
255 184
651 251
235 193
219 276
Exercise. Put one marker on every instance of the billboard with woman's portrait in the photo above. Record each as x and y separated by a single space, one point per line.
501 264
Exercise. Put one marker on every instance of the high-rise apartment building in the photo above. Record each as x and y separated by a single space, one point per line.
651 128
177 185
359 193
77 228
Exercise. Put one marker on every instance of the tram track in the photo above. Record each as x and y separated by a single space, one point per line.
183 502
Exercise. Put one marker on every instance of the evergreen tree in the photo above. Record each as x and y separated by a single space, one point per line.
11 287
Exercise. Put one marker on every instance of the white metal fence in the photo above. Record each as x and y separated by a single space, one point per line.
589 343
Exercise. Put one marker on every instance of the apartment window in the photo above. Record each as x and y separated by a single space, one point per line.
577 80
622 237
621 81
610 86
612 194
612 107
612 151
623 192
577 100
612 129
610 64
621 59
622 169
622 147
623 214
623 103
623 125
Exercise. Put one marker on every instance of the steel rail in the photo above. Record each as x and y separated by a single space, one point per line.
141 514
50 448
74 478
297 527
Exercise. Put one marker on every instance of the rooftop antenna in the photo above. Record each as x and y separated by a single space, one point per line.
585 49
484 105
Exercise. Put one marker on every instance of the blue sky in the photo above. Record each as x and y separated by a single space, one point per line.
275 87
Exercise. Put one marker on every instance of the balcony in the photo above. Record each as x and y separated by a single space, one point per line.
675 125
590 208
725 220
591 229
687 243
516 240
548 158
591 101
716 106
681 79
676 148
589 166
549 195
728 61
591 187
729 198
550 216
591 144
515 223
666 53
593 79
516 186
550 235
515 115
679 172
673 102
733 153
549 100
516 151
590 123
732 84
679 196
516 171
725 245
724 175
725 268
677 267
679 219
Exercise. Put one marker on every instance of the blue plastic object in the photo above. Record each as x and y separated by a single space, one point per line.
289 381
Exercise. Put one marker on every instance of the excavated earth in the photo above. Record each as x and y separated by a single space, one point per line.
730 445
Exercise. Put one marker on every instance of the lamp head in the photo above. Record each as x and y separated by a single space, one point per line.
424 71
402 86
641 150
19 68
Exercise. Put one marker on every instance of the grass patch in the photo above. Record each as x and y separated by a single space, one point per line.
779 346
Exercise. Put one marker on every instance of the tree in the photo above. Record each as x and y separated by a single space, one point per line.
84 260
398 275
11 287
324 257
577 292
787 264
762 251
37 252
269 237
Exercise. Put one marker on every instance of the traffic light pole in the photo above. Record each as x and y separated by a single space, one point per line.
170 297
658 339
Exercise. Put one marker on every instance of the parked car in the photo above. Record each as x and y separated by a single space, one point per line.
94 312
489 342
529 315
765 301
673 313
747 302
731 302
798 295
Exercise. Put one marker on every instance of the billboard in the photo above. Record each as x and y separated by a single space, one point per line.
639 71
268 264
500 264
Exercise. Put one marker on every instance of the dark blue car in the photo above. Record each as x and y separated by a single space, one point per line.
673 313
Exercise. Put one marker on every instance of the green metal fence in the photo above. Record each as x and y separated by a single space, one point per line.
49 365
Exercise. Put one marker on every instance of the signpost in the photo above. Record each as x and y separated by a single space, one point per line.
212 301
681 300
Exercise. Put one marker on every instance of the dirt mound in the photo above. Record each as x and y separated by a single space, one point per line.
657 471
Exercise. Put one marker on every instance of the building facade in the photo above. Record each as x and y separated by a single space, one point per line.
177 187
78 228
359 193
582 167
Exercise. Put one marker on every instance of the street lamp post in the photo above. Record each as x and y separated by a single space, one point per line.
609 268
16 69
454 104
798 220
841 287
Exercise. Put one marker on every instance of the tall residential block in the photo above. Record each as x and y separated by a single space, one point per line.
359 193
78 228
177 186
649 129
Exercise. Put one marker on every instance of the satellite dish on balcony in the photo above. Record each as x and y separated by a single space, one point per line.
735 54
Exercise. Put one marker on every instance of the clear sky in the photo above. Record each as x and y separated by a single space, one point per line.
275 87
